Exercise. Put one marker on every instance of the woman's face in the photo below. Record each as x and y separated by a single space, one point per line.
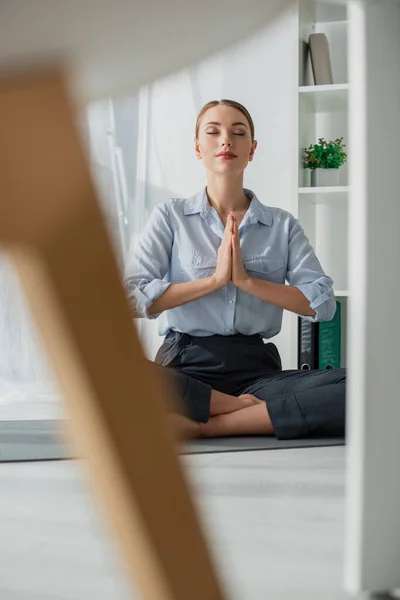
224 140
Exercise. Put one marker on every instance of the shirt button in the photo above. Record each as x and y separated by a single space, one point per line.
228 329
230 301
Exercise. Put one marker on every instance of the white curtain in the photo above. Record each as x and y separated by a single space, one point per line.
28 388
25 376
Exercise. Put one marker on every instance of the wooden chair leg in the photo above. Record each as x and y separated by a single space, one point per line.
53 229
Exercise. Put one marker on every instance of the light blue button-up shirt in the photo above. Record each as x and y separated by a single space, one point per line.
179 244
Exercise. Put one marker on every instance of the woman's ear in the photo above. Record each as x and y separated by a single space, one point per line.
197 149
253 149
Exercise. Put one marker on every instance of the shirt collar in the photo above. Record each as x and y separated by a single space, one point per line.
198 203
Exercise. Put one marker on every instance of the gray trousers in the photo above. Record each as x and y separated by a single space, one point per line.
300 403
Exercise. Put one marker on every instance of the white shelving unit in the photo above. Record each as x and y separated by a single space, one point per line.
323 112
325 98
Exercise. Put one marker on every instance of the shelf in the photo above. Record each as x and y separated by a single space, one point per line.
340 189
324 195
326 23
325 98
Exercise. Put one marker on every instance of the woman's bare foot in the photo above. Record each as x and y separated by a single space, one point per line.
252 399
221 404
186 429
253 420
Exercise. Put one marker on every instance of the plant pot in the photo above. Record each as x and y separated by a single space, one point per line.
324 177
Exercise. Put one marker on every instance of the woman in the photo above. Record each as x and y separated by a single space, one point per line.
213 268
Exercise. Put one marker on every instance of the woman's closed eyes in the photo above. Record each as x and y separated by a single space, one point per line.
216 132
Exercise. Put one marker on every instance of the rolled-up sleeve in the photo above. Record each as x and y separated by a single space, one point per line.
148 262
304 271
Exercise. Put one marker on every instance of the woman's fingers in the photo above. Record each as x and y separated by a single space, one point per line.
227 231
226 239
228 247
234 242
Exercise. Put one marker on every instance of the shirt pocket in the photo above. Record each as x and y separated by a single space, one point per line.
196 267
267 268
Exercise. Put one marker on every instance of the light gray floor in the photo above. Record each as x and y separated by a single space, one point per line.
274 521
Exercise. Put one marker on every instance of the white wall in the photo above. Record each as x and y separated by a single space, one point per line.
262 74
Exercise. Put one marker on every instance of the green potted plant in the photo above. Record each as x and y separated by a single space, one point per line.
324 159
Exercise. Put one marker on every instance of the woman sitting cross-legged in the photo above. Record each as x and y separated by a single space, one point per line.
213 268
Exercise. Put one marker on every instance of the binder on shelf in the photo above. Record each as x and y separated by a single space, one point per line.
307 345
320 59
330 341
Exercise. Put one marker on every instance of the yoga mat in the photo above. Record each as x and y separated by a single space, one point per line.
243 443
33 440
37 440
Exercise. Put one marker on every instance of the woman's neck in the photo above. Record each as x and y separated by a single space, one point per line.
226 195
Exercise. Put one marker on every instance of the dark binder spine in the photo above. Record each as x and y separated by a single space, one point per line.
307 345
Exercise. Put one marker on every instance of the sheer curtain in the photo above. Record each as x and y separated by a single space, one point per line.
28 388
25 376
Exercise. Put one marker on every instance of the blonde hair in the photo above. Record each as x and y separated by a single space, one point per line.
225 102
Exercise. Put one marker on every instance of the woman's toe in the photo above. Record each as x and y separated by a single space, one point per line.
251 397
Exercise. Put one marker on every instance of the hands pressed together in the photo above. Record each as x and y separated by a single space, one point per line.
230 265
